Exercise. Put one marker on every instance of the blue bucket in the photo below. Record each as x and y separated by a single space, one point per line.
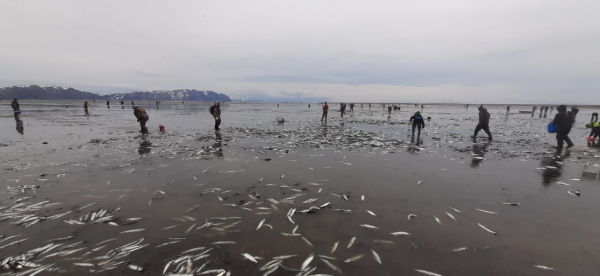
552 128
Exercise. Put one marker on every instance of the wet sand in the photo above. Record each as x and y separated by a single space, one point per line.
103 159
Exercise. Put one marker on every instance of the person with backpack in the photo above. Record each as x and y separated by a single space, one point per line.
325 110
417 122
564 121
484 123
215 111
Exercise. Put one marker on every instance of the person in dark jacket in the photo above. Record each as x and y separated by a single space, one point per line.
564 122
343 109
142 117
215 110
574 111
417 122
15 105
484 123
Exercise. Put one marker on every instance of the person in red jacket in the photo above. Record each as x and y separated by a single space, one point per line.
325 110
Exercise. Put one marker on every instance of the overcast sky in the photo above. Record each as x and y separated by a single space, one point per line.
430 51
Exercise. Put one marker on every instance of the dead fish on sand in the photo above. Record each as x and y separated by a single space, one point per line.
543 267
427 272
411 216
369 226
486 229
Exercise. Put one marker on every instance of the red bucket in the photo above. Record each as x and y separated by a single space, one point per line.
162 128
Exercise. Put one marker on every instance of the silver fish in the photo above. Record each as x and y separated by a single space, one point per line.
330 265
132 231
260 224
427 272
135 267
249 257
352 240
437 219
307 241
224 242
371 213
486 229
451 216
369 226
485 211
459 249
284 257
352 259
335 245
543 267
455 210
410 216
376 256
400 233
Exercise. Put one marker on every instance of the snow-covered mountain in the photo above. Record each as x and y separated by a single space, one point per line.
171 95
35 92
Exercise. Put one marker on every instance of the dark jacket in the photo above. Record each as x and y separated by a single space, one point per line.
141 114
563 120
15 105
417 119
216 111
484 117
325 108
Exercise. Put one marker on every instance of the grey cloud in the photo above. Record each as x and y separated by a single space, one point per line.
463 50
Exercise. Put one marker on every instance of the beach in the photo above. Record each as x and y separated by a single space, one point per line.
504 207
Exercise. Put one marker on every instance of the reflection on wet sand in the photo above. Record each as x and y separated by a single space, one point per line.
479 150
552 169
145 145
218 145
19 127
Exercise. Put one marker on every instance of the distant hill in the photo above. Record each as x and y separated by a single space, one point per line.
34 92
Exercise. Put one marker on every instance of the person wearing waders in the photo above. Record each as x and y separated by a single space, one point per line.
351 107
108 104
484 123
325 110
417 122
564 121
142 117
215 111
343 109
389 109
